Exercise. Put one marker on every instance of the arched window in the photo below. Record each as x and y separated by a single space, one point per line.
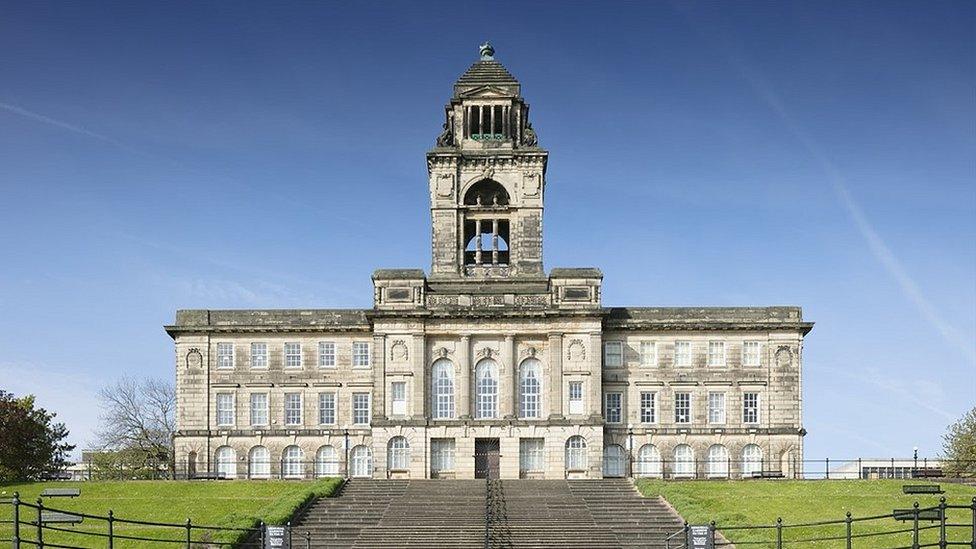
191 464
226 462
486 192
718 461
530 387
752 458
362 462
291 462
487 226
576 453
613 461
442 389
648 461
259 462
486 390
684 461
326 462
398 454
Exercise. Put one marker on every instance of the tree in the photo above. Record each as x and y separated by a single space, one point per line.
959 447
138 420
33 444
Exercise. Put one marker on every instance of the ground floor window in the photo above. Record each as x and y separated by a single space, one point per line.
226 462
648 461
291 462
259 462
752 459
718 461
326 462
532 455
614 461
684 461
362 462
398 454
441 455
576 453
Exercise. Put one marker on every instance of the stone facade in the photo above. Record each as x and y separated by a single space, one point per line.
489 366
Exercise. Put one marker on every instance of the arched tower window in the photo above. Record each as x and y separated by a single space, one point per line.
442 389
486 389
486 224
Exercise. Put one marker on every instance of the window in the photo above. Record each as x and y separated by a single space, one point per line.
751 460
360 408
291 462
648 354
226 462
648 461
613 461
398 454
225 355
326 462
225 409
360 354
750 353
442 395
441 455
718 461
682 407
530 387
576 453
486 390
259 355
532 455
716 408
327 408
684 461
613 407
750 407
576 397
648 407
362 462
259 462
716 353
293 355
398 398
682 354
613 354
293 408
259 409
327 355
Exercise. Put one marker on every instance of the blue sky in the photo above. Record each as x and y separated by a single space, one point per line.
231 154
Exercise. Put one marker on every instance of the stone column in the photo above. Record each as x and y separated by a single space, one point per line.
596 374
463 397
507 407
556 377
379 377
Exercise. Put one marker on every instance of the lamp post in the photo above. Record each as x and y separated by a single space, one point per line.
915 461
630 451
345 445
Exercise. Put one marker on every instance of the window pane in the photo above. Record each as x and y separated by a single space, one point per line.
360 354
648 411
750 407
327 408
613 354
486 390
682 353
442 393
293 355
259 355
259 409
716 408
225 355
648 354
716 353
613 403
398 397
327 356
225 409
682 407
530 388
360 408
293 409
750 353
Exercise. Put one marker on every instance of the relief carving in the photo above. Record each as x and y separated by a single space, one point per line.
398 351
445 185
784 356
531 184
576 351
194 359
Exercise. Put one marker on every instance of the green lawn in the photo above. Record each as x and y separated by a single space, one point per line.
236 504
758 502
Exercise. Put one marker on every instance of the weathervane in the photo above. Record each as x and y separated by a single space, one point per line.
487 52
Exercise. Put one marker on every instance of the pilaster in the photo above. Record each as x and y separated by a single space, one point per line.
556 378
464 378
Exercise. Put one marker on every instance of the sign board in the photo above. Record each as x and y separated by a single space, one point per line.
276 537
701 537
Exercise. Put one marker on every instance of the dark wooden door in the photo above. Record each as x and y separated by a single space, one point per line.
486 454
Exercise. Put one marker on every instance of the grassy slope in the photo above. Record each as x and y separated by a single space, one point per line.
239 504
761 502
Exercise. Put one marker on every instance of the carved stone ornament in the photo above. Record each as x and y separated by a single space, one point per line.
528 352
398 351
529 138
488 171
441 352
531 184
444 185
194 359
446 138
487 352
784 356
576 351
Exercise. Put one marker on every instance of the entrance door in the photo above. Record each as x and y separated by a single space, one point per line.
486 455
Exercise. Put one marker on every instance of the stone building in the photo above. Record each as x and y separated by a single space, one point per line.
489 366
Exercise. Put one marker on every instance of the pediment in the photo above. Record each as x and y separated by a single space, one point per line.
487 91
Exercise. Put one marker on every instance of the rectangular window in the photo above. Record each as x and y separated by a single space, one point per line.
613 354
360 408
716 408
648 407
327 408
225 355
293 408
225 409
576 397
750 353
682 407
441 455
613 407
648 354
293 355
532 457
398 398
716 353
682 354
259 355
259 409
327 356
360 354
750 407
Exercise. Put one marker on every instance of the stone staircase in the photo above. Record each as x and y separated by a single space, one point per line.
523 514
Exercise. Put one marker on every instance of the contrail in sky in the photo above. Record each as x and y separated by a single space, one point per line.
63 125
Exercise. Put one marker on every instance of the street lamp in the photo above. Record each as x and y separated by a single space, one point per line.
630 451
915 459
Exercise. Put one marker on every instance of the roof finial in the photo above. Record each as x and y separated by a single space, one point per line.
487 52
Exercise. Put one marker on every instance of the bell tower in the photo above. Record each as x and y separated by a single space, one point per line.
487 180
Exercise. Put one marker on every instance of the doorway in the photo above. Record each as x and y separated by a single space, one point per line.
486 456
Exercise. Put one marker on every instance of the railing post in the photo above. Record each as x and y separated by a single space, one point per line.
711 530
974 524
40 523
779 532
915 526
860 469
827 467
942 523
288 524
262 527
111 529
849 529
308 540
16 502
189 533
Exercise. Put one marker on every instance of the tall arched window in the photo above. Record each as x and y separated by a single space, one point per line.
684 461
530 387
648 461
752 458
326 462
718 461
226 462
398 454
362 462
486 390
576 453
291 462
613 461
442 389
259 462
